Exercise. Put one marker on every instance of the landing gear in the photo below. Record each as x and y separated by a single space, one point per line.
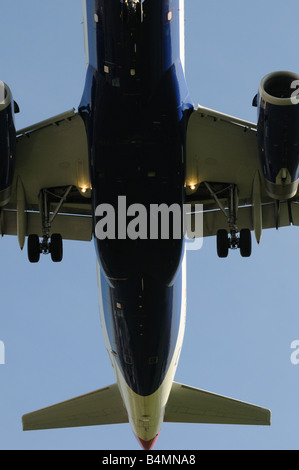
33 247
222 243
234 239
49 244
243 242
56 248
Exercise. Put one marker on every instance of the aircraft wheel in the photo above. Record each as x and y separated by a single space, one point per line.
33 248
245 242
56 248
222 243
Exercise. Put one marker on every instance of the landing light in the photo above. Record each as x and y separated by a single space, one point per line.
84 189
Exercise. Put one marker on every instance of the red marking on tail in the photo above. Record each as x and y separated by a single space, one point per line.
147 445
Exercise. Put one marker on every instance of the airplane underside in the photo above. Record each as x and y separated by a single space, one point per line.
119 172
135 109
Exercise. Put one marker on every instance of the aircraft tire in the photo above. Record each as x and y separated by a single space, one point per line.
222 243
245 242
56 247
33 248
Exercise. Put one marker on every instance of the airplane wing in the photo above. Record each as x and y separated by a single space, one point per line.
222 157
51 161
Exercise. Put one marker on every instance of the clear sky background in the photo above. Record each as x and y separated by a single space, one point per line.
242 314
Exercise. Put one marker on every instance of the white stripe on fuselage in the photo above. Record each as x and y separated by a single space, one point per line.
182 32
85 32
146 413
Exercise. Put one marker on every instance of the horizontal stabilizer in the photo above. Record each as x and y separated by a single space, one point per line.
191 405
104 406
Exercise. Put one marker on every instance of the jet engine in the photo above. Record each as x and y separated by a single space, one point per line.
278 133
7 142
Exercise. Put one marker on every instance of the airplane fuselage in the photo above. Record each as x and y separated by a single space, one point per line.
135 106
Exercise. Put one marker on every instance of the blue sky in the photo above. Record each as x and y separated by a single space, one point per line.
242 314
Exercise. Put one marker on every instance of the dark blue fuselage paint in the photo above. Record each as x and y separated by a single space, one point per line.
135 107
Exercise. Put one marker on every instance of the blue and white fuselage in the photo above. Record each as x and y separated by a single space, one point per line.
134 107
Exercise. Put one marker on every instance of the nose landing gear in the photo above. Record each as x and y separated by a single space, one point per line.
132 12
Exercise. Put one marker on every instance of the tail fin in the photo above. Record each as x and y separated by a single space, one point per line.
104 406
191 405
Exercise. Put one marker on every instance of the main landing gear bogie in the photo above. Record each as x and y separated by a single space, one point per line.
49 243
225 242
36 247
233 239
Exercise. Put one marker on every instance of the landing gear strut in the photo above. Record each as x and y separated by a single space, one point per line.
49 244
234 239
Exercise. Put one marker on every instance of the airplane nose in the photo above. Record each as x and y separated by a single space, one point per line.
147 445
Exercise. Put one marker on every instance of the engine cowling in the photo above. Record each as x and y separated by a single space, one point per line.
278 133
7 143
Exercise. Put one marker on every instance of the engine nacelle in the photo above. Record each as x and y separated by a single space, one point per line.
278 133
7 143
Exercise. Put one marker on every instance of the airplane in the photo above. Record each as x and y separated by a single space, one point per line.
253 197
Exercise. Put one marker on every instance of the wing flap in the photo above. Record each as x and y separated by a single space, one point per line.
71 227
215 220
191 405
